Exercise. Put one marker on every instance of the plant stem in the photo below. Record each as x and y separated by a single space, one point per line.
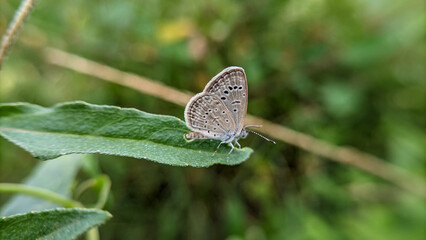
105 186
92 234
345 155
11 32
38 192
103 193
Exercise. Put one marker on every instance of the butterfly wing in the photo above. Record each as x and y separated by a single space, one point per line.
230 86
205 113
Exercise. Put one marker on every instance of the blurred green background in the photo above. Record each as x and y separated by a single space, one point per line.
348 72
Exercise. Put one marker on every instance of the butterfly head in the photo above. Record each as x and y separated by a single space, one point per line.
244 133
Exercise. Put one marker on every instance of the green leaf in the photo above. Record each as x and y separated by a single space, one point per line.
79 127
56 176
51 224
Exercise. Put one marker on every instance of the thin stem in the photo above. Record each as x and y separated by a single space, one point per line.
38 192
105 185
103 193
345 155
11 32
92 234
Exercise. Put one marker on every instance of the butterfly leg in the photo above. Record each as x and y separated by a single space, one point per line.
232 149
217 149
238 144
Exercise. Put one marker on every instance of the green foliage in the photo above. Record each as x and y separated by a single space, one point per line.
56 176
348 72
79 127
51 224
48 182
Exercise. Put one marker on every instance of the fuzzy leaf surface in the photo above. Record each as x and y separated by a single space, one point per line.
51 224
79 127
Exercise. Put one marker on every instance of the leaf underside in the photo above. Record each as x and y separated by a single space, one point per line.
79 127
51 224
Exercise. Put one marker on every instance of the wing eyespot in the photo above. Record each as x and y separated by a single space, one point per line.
224 98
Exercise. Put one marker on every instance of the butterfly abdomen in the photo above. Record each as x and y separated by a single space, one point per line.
195 135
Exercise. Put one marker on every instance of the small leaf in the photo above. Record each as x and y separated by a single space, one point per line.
51 224
79 127
56 176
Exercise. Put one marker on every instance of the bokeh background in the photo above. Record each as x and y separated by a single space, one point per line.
351 72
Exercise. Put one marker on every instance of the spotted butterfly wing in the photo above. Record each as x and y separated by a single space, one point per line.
230 86
208 117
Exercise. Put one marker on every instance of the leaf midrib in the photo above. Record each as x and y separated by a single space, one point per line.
91 136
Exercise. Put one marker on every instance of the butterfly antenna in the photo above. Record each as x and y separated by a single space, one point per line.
260 135
253 126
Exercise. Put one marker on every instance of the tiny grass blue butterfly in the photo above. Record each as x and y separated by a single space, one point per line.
220 110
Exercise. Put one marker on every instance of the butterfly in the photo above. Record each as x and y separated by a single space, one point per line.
219 111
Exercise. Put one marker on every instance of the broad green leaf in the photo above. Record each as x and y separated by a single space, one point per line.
51 224
79 127
56 176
